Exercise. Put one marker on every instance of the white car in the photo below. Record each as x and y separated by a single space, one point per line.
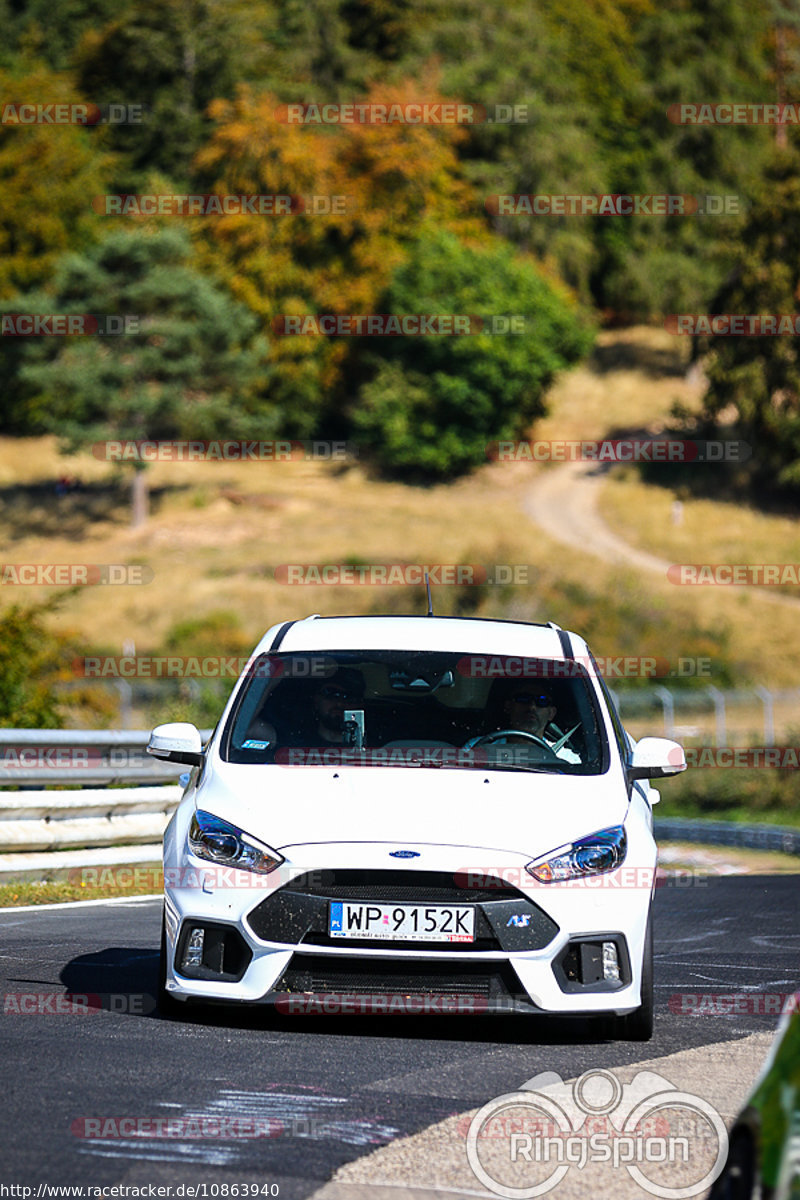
415 815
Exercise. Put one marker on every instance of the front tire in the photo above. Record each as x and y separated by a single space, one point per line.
638 1025
168 1006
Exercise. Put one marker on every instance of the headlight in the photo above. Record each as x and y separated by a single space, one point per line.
593 855
220 842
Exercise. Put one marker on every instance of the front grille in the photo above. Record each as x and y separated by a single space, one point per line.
323 975
317 938
409 887
298 913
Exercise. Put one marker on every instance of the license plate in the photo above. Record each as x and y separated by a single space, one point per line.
402 922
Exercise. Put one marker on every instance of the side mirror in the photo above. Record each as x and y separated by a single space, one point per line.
656 758
177 742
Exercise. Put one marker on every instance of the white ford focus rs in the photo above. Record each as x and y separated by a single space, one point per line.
415 815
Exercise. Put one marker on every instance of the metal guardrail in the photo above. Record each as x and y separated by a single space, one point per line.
83 757
103 817
31 821
728 833
80 809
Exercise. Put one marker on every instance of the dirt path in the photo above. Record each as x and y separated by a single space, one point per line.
563 501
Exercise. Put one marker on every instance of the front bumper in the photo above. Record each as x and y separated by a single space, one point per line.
270 945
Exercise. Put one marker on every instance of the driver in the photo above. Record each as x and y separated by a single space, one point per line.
530 709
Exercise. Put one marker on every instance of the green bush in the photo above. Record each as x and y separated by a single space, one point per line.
30 657
726 794
432 404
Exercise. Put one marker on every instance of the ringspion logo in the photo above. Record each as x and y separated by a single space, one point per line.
535 1136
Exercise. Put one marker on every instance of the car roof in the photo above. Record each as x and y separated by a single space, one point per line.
453 634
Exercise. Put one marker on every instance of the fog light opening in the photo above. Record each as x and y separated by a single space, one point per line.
610 962
193 954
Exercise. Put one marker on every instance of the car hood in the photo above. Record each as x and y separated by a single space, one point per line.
522 812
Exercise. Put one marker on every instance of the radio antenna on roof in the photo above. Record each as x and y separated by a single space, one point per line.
430 599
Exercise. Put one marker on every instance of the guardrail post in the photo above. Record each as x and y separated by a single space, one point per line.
766 698
719 711
668 705
125 702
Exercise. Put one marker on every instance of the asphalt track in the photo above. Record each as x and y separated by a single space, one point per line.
329 1090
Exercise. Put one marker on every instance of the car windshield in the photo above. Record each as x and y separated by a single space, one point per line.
417 709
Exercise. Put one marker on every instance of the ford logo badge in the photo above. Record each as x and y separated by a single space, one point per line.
404 853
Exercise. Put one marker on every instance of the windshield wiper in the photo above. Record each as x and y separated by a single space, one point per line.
531 768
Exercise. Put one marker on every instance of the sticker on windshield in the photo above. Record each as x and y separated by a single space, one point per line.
251 744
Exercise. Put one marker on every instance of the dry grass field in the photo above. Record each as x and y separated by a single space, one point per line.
217 532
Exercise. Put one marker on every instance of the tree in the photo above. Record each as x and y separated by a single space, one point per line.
759 377
48 176
171 56
393 179
50 31
188 363
435 402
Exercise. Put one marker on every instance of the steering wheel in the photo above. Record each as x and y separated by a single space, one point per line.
487 739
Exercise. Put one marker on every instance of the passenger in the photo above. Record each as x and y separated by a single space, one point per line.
343 690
